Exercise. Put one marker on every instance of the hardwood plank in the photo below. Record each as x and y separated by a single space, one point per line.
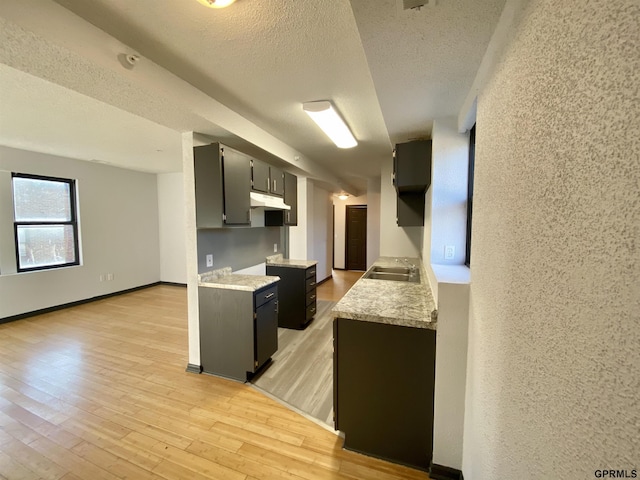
99 392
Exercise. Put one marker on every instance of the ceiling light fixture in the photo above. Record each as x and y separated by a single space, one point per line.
216 3
343 196
330 122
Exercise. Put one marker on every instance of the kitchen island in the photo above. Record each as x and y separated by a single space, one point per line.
238 322
384 363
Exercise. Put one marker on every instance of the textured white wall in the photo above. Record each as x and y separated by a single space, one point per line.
395 241
340 216
118 212
173 253
553 377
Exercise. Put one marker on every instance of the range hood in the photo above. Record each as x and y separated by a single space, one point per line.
268 202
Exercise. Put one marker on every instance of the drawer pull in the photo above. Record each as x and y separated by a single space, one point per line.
270 295
313 309
312 284
312 297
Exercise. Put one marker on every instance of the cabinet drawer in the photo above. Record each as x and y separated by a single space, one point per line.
311 311
311 283
263 296
311 272
311 297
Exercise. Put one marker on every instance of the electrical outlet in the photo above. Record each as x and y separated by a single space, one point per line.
109 277
449 252
101 277
275 247
210 260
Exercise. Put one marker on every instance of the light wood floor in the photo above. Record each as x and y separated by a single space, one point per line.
99 391
301 371
339 284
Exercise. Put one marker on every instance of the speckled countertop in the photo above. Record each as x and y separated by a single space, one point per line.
224 278
279 261
386 301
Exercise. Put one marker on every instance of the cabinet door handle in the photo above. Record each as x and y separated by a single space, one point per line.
288 216
270 295
267 183
275 185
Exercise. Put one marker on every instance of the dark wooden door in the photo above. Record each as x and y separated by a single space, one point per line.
356 241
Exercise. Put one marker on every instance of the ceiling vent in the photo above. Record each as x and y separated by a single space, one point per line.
415 4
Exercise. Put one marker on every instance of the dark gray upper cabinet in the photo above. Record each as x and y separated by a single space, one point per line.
412 166
277 181
237 185
412 178
222 184
260 176
279 218
267 179
291 198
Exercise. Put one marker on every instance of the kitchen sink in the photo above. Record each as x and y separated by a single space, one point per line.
404 270
393 276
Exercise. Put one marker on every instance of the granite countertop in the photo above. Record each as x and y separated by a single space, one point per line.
225 279
279 261
386 301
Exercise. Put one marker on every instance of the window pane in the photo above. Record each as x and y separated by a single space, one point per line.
38 200
40 246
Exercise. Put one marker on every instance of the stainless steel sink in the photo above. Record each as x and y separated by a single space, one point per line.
405 270
396 277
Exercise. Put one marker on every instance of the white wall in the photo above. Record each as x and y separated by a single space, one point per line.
340 218
449 178
173 254
118 211
311 239
373 220
322 232
395 241
553 377
298 235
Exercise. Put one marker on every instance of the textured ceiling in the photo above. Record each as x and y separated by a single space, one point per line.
389 72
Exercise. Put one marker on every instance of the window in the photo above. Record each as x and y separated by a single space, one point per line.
472 160
45 222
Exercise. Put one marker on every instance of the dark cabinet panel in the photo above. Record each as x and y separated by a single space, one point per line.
266 331
410 209
237 185
412 166
291 198
260 176
277 181
297 292
383 390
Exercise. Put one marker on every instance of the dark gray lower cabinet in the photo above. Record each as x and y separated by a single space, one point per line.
238 330
297 304
383 390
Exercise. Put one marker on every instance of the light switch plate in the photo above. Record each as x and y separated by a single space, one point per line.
210 260
275 247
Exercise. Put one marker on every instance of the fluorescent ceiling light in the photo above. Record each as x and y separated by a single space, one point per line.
330 122
216 3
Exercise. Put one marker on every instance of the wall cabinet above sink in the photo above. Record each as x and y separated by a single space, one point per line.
411 178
